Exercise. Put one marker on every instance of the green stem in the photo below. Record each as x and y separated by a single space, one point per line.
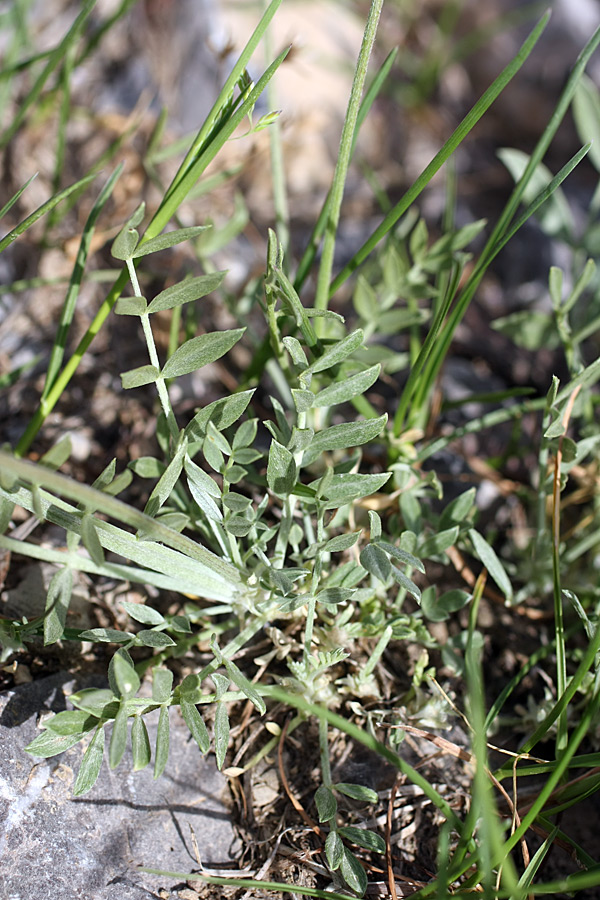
344 155
282 217
163 394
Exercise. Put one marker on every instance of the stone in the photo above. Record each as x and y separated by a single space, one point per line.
88 848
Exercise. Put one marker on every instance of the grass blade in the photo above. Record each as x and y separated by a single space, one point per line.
41 211
54 60
313 242
344 156
68 310
456 138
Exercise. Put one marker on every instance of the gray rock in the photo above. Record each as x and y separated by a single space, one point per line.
87 848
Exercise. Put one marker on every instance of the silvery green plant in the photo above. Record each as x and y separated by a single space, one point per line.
280 527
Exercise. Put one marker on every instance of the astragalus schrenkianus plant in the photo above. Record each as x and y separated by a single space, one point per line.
292 511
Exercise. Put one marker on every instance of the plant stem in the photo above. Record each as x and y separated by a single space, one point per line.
344 155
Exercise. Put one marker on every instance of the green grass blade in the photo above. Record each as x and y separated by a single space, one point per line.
343 158
278 179
198 145
496 239
562 703
372 93
252 884
63 120
556 777
8 206
539 200
58 349
96 37
54 60
166 210
40 476
456 138
41 211
187 177
367 739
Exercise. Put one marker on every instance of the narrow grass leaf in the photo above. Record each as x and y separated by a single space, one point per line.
68 310
118 738
41 211
90 764
161 752
56 55
10 203
221 728
221 102
200 351
456 138
195 723
186 291
170 239
490 560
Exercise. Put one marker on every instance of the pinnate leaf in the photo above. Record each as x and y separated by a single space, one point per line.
363 838
195 723
326 803
170 239
161 753
50 744
200 351
140 744
90 764
138 377
186 292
